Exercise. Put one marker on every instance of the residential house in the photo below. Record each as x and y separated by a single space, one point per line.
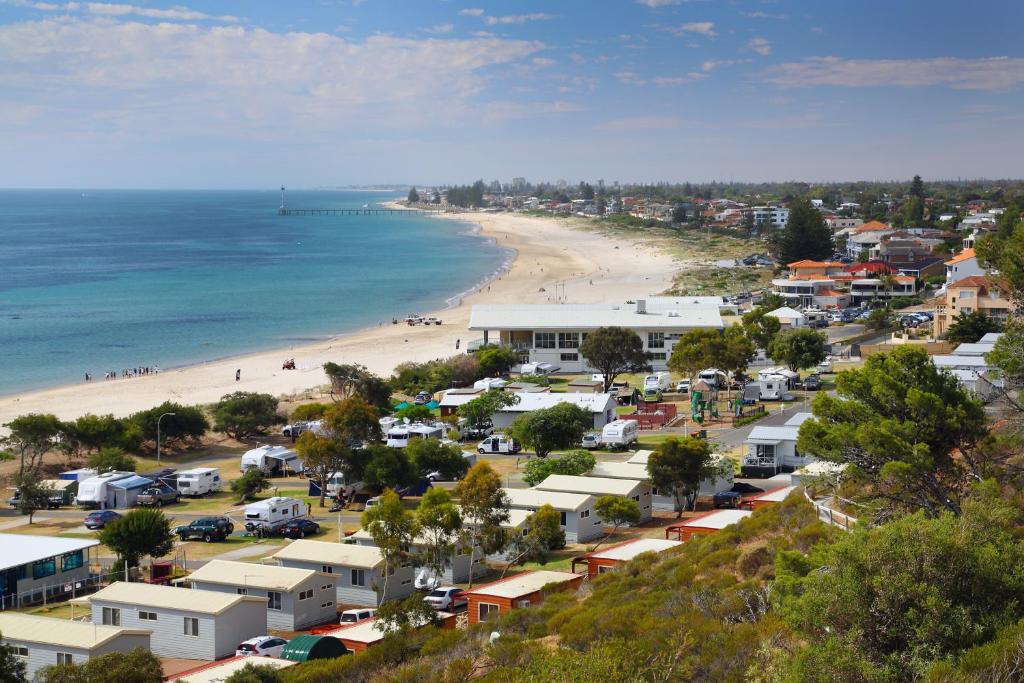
600 406
636 468
866 237
458 564
610 557
44 641
453 399
789 318
923 268
552 333
772 497
631 489
776 216
295 598
808 269
357 570
963 265
973 293
188 624
42 568
707 523
578 519
820 292
771 450
837 223
863 290
516 592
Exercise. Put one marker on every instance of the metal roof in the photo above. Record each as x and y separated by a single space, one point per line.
133 482
623 552
167 597
266 576
799 419
306 647
719 519
595 486
218 672
621 470
32 628
523 584
761 434
369 631
342 554
595 403
588 317
19 549
775 495
534 498
978 349
640 457
951 361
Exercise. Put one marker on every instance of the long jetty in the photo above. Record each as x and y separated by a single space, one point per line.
287 211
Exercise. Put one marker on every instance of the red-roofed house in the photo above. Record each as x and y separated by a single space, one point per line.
884 287
965 264
808 268
867 268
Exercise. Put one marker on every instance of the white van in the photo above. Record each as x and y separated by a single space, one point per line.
199 481
620 433
659 380
273 513
499 443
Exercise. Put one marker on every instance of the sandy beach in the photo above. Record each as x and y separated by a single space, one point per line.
593 269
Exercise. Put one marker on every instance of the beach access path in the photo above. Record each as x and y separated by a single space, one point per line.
593 268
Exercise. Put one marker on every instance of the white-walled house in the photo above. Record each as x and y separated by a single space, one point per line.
665 502
42 568
578 519
771 450
638 491
600 406
457 570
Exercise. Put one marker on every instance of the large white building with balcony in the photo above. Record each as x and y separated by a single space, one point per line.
553 333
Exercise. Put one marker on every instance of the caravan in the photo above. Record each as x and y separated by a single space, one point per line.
400 434
714 378
95 491
199 481
268 516
620 434
659 380
775 383
272 460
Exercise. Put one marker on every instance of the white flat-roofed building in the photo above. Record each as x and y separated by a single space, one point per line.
44 641
638 491
455 571
185 623
665 502
42 568
578 519
357 571
708 523
600 406
552 333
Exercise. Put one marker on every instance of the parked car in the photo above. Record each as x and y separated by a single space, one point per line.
100 518
354 616
431 321
591 440
157 496
479 431
300 528
423 398
812 383
683 386
446 598
209 529
818 323
261 646
651 395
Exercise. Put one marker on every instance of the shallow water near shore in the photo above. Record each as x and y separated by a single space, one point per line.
92 281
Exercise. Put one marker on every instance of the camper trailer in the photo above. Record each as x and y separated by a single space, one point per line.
270 515
95 492
538 369
620 433
199 481
714 378
400 434
776 382
659 380
272 460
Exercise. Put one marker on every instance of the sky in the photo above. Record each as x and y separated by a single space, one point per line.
256 93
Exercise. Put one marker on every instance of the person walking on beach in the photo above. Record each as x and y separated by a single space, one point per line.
238 374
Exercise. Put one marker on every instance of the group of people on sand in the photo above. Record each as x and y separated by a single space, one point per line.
127 372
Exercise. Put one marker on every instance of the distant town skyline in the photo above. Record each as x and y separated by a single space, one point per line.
231 94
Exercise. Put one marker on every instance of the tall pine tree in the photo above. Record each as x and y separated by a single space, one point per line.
805 236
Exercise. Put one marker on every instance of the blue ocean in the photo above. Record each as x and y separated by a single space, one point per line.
92 281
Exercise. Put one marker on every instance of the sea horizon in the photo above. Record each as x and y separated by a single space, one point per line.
94 281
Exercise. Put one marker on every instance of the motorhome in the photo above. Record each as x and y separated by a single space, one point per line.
272 460
714 377
499 443
620 433
273 513
95 492
199 481
659 380
294 429
400 434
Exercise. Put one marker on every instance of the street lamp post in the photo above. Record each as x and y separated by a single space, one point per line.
158 435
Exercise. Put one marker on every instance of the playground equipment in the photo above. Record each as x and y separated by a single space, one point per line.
702 400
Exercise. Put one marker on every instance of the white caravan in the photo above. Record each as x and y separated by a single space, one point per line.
272 460
273 513
659 380
714 377
199 481
93 492
620 433
400 434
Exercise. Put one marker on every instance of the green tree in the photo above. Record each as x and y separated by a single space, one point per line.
484 510
913 212
244 413
400 617
613 351
574 463
188 423
414 196
93 432
30 438
33 494
760 327
321 457
309 411
393 529
256 673
798 349
879 319
616 511
496 360
112 459
388 468
692 351
12 667
544 534
430 455
480 409
679 213
137 666
917 188
252 481
353 421
679 466
908 430
548 429
805 236
355 380
414 413
440 524
970 327
1008 356
140 532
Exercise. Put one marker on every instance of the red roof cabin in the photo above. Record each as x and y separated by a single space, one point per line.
601 561
768 498
522 590
708 523
359 637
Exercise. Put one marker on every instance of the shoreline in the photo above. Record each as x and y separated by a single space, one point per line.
587 266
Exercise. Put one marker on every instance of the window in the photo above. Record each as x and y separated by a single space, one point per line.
329 603
602 569
273 600
326 569
656 356
147 616
487 611
65 658
525 602
327 587
305 595
584 514
242 591
568 340
111 616
192 627
19 651
655 340
637 498
570 357
561 516
44 568
71 561
766 455
544 340
358 577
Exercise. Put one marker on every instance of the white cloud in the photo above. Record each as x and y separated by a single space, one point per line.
690 77
471 12
577 58
543 62
494 112
761 46
763 15
439 29
111 9
712 64
641 123
627 77
703 28
659 3
999 73
514 18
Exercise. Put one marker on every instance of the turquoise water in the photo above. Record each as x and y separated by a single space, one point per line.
104 280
